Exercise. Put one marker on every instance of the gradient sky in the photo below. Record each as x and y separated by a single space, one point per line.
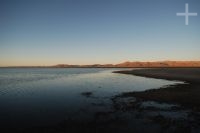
49 32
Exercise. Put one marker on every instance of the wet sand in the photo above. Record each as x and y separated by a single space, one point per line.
187 94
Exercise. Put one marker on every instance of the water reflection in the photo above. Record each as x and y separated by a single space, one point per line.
42 96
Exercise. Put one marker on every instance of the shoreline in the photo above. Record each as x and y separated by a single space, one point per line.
153 111
187 95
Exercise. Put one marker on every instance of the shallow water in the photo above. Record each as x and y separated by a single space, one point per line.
43 96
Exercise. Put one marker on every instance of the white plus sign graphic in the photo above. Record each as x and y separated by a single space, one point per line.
186 14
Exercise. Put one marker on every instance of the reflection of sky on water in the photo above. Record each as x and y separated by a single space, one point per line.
36 96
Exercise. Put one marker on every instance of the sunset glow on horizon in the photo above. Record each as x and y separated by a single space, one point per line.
50 32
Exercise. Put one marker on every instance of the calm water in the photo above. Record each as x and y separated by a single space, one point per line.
42 96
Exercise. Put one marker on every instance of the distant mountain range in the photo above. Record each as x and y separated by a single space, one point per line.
137 64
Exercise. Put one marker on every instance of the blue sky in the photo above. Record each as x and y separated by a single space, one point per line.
49 32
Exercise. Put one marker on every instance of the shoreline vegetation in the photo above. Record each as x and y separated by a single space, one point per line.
186 94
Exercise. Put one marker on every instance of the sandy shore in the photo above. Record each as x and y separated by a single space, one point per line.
187 94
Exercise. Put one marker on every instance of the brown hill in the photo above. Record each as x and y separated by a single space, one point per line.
139 64
161 64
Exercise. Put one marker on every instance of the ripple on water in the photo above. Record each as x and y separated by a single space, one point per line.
58 91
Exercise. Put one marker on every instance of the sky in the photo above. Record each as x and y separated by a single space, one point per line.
50 32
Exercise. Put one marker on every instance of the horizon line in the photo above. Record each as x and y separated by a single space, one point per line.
79 65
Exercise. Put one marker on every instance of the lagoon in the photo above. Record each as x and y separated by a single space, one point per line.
32 97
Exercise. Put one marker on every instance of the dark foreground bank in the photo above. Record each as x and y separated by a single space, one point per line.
187 94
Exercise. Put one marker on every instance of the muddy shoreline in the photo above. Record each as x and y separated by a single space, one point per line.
187 94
